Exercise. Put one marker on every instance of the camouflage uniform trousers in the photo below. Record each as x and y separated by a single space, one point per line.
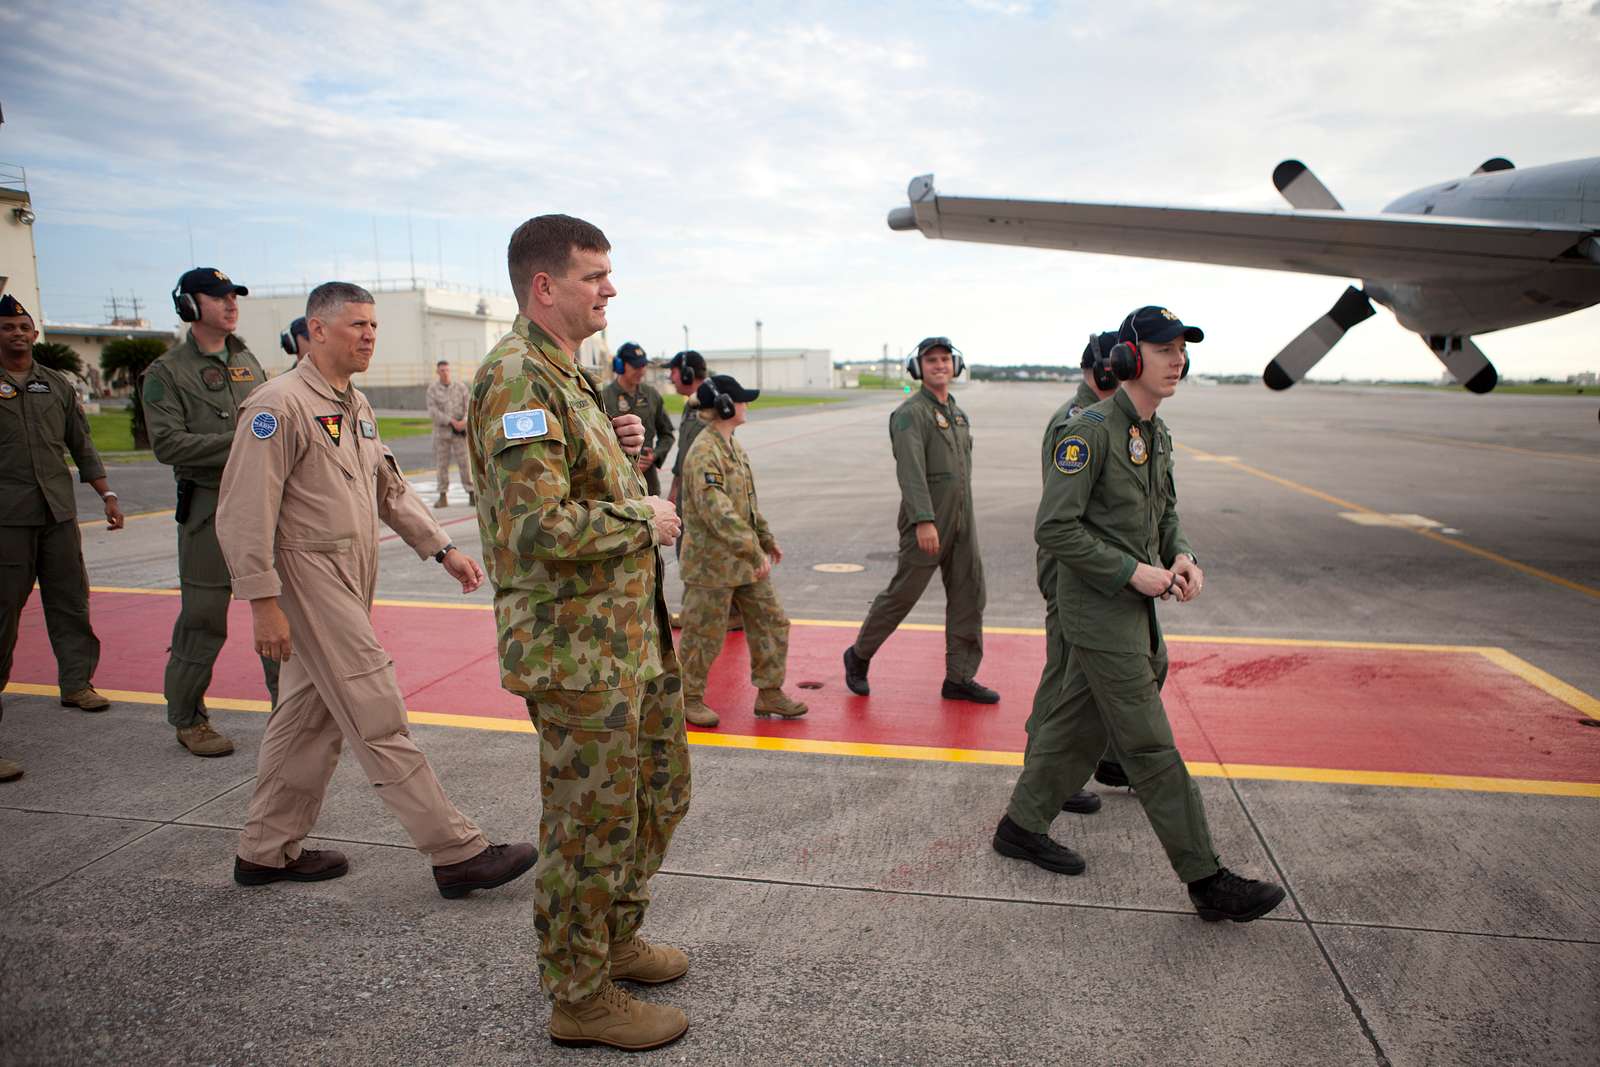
448 446
614 771
705 624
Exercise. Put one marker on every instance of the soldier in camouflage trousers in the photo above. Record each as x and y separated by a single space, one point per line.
728 553
570 541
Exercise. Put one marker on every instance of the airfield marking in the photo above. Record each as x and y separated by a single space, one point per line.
812 746
1457 443
101 521
1453 542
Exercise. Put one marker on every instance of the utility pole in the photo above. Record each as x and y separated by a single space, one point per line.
758 353
885 374
686 338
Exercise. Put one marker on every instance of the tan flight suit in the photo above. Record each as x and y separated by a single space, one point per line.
305 487
446 402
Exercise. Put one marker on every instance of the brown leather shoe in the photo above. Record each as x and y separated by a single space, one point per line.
495 865
10 770
202 740
637 960
614 1017
310 866
696 712
777 702
86 699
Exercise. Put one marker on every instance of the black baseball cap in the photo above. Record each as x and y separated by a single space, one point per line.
633 355
691 359
1157 325
210 281
1107 341
727 385
11 308
299 328
935 342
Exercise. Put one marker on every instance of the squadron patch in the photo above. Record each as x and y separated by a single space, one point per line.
333 424
213 378
1072 454
264 425
961 420
1072 412
1137 450
624 405
7 390
38 387
368 430
938 417
524 425
241 374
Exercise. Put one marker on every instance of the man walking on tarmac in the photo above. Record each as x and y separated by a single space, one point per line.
571 545
932 441
447 407
191 399
301 498
1109 517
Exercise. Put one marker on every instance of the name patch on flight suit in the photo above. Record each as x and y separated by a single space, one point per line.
213 378
241 374
7 390
368 430
525 425
333 424
264 425
1137 451
938 417
38 387
1072 454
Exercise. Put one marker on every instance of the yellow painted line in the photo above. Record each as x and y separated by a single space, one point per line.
1544 680
1199 769
1453 542
101 521
1456 443
134 589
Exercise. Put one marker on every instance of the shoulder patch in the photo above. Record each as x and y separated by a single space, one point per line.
1072 454
264 425
714 479
7 390
154 388
1074 411
524 425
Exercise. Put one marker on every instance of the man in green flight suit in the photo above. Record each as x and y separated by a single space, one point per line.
686 370
629 394
40 421
1109 517
570 543
191 402
932 440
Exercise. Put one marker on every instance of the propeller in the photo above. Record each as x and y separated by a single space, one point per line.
1465 361
1301 354
1302 188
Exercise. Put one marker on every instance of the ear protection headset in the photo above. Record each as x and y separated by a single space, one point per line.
1126 361
711 397
1099 366
616 365
914 361
185 305
286 338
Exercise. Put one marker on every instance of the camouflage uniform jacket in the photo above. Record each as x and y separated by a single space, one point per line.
40 421
646 403
191 403
933 463
1056 429
725 539
569 543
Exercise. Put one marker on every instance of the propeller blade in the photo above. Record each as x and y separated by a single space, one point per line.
1301 354
1465 361
1302 188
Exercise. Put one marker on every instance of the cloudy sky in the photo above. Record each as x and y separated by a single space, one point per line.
742 157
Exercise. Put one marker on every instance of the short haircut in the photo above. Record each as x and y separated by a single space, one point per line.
329 297
442 363
544 244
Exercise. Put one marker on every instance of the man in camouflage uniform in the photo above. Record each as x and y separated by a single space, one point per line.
932 441
728 553
191 403
447 407
1109 516
629 394
1097 384
570 542
40 421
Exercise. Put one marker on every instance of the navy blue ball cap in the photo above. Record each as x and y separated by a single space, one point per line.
726 384
1107 341
633 355
1157 325
210 281
11 308
935 342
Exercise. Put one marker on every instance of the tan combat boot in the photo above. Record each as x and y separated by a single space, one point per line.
613 1017
10 770
202 740
85 698
777 702
637 960
443 501
695 710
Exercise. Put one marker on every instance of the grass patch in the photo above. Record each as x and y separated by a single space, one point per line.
392 428
112 432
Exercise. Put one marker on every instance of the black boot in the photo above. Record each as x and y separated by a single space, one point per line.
969 690
1082 802
1040 850
855 673
1225 895
1110 773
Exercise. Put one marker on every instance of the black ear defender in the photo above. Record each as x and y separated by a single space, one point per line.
1099 365
286 338
1126 362
914 361
185 305
711 397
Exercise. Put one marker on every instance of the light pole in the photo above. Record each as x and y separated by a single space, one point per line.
686 338
758 353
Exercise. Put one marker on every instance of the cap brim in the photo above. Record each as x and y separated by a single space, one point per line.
223 290
1192 334
744 396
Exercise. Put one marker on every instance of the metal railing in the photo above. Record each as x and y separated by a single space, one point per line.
13 176
376 285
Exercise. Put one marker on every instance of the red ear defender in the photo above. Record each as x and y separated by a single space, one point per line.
1126 362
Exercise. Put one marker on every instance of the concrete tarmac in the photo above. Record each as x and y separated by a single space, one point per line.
843 909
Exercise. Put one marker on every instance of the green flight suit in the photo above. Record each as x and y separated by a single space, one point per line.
191 402
933 464
689 427
40 422
1110 503
645 403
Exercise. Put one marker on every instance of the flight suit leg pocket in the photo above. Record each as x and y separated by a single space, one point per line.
373 698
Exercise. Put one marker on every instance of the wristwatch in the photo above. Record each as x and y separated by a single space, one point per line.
438 557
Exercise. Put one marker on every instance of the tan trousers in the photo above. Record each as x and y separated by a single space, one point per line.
339 685
447 447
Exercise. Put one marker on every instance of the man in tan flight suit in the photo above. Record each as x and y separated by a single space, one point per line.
304 489
447 407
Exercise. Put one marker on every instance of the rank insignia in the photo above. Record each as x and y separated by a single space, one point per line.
213 378
938 417
38 387
524 425
1137 451
7 390
623 405
368 430
264 425
1072 454
241 374
333 424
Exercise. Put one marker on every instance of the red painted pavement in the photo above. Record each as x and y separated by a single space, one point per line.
1344 709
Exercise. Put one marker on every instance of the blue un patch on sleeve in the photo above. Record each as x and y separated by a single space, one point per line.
264 425
524 425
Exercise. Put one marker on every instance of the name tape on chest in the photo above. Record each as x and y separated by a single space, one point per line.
368 430
38 387
264 425
241 374
1072 454
527 425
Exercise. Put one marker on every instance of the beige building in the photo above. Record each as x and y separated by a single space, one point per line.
90 340
19 266
776 369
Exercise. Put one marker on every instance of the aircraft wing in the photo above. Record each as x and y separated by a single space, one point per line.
1395 248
